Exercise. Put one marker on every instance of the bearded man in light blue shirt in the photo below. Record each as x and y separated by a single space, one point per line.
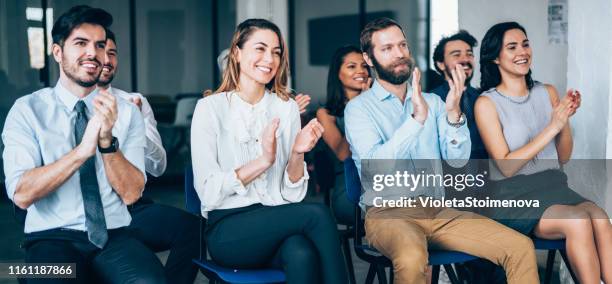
74 159
395 121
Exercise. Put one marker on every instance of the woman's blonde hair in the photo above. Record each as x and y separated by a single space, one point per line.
231 73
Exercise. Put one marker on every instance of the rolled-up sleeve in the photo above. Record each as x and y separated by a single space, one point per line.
212 183
133 148
294 191
155 154
21 150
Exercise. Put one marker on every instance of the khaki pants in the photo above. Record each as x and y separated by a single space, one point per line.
404 234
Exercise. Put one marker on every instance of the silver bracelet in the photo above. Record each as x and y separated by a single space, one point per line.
461 122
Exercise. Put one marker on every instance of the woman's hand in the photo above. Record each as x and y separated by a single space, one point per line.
268 141
576 100
308 137
562 112
303 101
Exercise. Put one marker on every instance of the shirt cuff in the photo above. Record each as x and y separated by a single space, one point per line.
298 183
457 136
233 184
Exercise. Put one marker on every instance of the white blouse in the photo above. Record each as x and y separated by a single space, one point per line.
226 134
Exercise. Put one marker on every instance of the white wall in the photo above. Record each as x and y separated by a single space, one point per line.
589 57
590 71
272 10
609 144
549 64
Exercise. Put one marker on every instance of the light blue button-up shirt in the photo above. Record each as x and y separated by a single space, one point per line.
39 130
380 126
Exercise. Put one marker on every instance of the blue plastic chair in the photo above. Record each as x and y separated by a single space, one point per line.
552 246
379 262
214 272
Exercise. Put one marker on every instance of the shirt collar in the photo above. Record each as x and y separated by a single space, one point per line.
70 100
381 93
260 105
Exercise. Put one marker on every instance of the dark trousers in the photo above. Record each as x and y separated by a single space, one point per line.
122 260
300 238
162 228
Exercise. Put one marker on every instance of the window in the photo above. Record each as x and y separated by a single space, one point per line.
444 22
35 31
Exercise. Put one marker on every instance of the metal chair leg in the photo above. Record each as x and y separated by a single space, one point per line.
371 274
550 262
569 267
382 274
435 274
452 276
348 258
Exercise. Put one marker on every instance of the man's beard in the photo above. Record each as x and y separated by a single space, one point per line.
71 70
388 74
467 79
105 81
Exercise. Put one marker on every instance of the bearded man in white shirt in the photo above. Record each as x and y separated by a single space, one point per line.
158 226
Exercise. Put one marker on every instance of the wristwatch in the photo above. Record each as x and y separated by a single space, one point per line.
459 123
110 149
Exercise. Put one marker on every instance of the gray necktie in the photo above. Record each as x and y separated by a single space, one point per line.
94 212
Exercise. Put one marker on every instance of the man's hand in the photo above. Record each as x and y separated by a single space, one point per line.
89 144
308 137
105 107
457 87
137 101
303 101
418 102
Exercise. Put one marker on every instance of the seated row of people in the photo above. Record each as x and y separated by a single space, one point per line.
76 158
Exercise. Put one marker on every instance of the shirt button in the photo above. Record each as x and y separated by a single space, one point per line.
454 142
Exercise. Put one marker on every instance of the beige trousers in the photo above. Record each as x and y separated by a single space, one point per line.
404 234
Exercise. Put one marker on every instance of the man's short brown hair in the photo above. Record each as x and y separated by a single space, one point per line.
372 27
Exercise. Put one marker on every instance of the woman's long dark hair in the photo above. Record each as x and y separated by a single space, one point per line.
336 98
490 48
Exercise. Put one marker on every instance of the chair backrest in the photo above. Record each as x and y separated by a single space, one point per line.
184 111
352 181
192 200
353 193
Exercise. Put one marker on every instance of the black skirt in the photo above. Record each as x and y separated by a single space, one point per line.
548 188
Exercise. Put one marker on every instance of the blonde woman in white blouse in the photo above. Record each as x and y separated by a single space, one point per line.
249 171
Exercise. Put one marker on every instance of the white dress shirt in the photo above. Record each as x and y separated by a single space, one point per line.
39 130
155 155
226 134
